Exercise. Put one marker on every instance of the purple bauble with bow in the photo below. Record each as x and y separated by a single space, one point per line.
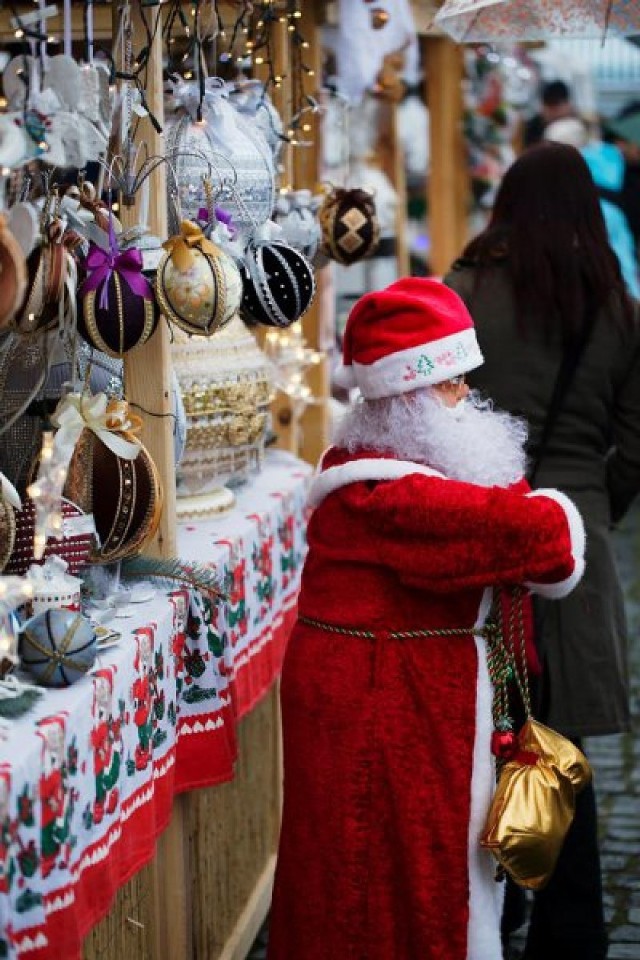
116 305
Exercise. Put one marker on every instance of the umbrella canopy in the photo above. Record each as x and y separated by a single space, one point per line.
491 21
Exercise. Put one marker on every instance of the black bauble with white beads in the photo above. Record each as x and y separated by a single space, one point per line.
278 284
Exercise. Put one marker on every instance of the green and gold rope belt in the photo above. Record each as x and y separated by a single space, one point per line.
489 631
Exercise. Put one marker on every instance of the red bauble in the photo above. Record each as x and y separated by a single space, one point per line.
504 744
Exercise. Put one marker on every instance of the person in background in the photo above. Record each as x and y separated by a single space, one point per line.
561 339
419 512
555 103
607 166
624 132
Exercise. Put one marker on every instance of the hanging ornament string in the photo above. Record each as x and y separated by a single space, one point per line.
88 31
67 27
132 68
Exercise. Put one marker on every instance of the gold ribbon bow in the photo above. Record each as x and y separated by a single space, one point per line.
106 418
181 245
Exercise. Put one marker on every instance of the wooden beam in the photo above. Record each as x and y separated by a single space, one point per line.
148 380
447 190
391 155
252 917
306 174
148 383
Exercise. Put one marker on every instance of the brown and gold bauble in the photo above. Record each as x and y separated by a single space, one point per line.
197 284
124 495
117 310
350 227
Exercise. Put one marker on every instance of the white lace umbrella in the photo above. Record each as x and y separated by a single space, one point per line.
492 21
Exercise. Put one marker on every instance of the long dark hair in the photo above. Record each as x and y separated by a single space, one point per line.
547 227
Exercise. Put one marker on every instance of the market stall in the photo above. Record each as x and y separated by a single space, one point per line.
167 239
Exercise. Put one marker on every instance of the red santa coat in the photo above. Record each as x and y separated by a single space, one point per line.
388 770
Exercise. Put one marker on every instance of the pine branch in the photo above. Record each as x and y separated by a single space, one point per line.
196 575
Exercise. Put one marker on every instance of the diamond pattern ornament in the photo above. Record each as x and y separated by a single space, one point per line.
350 227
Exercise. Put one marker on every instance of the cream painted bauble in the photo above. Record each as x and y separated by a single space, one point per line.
202 298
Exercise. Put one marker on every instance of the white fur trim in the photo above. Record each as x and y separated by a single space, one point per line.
485 895
418 367
357 470
556 591
345 377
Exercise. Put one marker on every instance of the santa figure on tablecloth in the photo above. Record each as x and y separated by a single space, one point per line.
53 792
142 694
106 745
8 831
420 513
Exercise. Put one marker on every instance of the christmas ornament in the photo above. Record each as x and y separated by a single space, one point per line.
295 214
14 149
14 592
249 97
504 744
34 374
53 586
14 275
9 503
117 310
279 284
74 547
226 389
197 284
50 294
110 473
212 140
350 228
57 647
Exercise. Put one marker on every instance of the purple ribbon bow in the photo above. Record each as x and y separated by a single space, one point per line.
221 216
102 264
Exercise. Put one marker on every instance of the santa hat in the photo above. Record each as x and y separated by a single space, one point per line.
415 333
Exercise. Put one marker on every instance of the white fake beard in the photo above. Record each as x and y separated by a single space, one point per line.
470 442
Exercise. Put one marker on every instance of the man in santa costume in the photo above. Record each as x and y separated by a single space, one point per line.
420 512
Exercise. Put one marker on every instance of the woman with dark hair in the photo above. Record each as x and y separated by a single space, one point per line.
562 346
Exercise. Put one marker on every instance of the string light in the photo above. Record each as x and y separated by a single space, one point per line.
292 359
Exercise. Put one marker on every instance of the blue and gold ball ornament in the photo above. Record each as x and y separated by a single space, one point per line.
57 647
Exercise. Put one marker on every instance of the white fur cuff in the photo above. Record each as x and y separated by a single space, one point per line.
556 591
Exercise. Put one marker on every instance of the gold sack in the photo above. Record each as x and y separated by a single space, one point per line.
534 804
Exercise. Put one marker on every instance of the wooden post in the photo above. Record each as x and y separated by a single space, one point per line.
448 181
392 163
149 385
148 369
306 174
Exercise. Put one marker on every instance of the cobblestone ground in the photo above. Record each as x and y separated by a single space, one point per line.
616 763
